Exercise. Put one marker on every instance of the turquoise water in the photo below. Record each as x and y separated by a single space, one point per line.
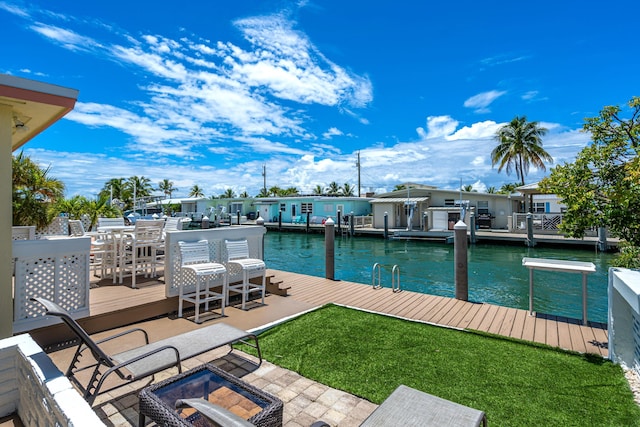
496 274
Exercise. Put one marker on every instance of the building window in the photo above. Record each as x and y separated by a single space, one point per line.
538 207
283 207
449 202
306 208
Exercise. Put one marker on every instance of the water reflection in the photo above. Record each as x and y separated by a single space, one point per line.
496 274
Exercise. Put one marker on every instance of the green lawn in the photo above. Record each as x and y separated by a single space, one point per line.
514 382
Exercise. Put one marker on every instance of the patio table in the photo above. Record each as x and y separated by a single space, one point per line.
215 385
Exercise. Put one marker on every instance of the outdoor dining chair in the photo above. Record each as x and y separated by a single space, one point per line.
140 250
238 259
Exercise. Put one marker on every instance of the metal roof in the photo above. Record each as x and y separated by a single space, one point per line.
399 200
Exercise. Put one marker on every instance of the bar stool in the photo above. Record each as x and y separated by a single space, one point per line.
195 260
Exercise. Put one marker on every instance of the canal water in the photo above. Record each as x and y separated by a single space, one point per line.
496 274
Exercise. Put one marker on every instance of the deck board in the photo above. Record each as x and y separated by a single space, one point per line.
309 291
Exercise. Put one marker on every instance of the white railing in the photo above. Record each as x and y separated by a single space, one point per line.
542 222
362 221
56 269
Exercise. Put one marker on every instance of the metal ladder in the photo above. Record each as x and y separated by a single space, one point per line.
376 277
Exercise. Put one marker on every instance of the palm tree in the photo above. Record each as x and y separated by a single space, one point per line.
492 190
318 190
520 145
347 190
334 189
244 195
34 192
166 186
196 191
291 191
228 194
468 188
263 193
399 187
114 188
275 191
508 188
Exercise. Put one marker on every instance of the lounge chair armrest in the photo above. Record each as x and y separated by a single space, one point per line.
127 332
215 413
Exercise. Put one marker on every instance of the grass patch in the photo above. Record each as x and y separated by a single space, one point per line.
514 382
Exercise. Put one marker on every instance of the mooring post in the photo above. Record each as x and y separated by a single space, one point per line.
329 248
530 240
351 225
386 225
602 239
472 220
279 220
460 260
339 222
308 213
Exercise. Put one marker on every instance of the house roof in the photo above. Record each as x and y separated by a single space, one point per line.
35 106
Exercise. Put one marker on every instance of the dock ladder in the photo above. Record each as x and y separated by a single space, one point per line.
376 277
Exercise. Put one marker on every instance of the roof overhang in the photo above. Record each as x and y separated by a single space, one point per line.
35 105
399 200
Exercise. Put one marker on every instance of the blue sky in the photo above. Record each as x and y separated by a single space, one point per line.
208 92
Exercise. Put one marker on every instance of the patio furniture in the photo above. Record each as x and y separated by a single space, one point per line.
238 257
409 407
195 261
215 392
145 360
139 250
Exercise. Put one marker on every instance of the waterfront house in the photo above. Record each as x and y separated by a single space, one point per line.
296 208
427 208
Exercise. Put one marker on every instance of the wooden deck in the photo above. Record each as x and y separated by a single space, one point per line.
118 305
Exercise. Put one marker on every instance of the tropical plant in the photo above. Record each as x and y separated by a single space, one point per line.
399 187
33 192
468 188
228 194
602 187
291 191
519 146
167 188
114 188
263 193
196 191
275 191
333 189
244 195
318 190
347 189
492 190
508 188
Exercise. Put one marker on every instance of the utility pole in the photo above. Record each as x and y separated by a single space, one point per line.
358 166
264 179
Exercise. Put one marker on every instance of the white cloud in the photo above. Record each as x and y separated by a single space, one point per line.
332 132
481 101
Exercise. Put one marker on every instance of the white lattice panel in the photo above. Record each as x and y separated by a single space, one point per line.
54 269
58 227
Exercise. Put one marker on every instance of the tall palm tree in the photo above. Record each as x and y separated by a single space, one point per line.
318 190
520 145
508 188
263 193
228 194
468 188
196 191
244 195
34 192
166 186
492 190
291 191
136 187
